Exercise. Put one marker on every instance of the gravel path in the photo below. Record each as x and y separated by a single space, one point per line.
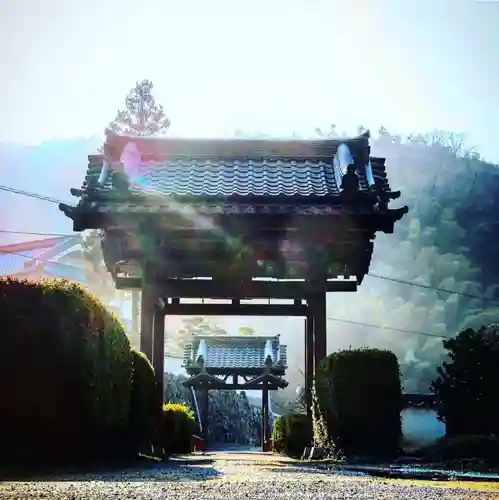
224 477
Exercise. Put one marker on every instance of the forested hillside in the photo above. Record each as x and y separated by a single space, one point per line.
447 242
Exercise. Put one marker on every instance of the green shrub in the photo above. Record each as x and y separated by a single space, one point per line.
66 373
178 426
466 386
291 433
144 406
357 402
279 434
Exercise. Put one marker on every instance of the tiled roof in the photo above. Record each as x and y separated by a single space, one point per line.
204 177
236 352
236 168
184 177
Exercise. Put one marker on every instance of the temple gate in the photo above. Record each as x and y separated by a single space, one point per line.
271 219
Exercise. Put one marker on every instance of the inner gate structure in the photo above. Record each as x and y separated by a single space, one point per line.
238 220
236 363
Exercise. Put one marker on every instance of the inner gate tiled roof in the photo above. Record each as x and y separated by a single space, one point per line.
239 352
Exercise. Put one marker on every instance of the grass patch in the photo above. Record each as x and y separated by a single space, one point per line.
490 486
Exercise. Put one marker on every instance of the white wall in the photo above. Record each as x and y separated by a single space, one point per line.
420 426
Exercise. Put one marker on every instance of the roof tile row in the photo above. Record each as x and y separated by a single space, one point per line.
236 352
198 178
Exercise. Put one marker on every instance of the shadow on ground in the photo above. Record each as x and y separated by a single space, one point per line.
386 472
292 468
142 469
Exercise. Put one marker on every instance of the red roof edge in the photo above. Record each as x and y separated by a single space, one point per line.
32 245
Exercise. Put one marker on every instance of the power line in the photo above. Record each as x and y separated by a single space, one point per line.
395 280
372 275
429 287
32 233
401 330
340 320
29 194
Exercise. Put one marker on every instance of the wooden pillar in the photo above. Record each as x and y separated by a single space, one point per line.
317 307
158 360
204 415
309 362
265 416
135 311
146 321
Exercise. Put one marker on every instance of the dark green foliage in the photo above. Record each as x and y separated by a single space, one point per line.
66 373
460 448
357 403
467 384
178 427
292 432
279 434
144 405
232 417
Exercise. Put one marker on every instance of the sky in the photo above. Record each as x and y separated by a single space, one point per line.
277 67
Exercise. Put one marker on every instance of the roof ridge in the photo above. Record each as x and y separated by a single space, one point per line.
234 147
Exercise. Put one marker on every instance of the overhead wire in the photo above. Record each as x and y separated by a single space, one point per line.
342 320
30 194
372 275
393 329
34 233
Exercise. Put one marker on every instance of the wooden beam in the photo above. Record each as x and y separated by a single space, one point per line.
235 310
223 386
215 289
341 285
194 370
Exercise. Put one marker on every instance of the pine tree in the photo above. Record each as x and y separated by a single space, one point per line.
142 116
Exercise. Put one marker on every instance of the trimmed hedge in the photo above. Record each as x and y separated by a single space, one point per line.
466 385
144 404
178 426
66 373
357 402
291 433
